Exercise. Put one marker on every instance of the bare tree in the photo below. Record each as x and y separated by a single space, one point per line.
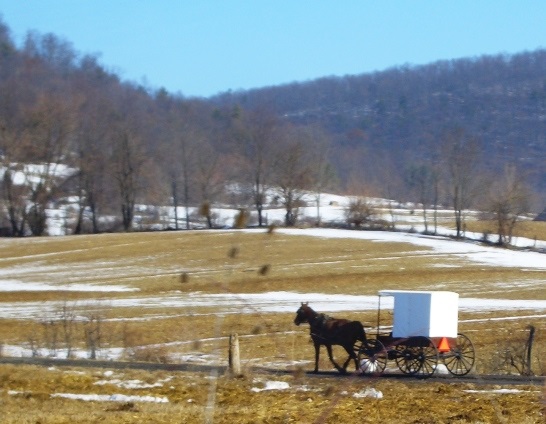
14 197
90 157
323 176
209 179
359 212
54 51
181 164
435 180
293 171
508 199
92 328
462 158
256 132
67 318
48 133
179 136
187 150
12 149
391 186
127 164
422 183
51 335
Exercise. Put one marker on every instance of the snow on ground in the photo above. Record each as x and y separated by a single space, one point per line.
288 301
111 398
474 252
271 385
438 245
116 397
369 392
229 303
260 386
245 303
131 384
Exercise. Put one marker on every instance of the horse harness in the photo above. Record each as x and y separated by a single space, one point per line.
320 323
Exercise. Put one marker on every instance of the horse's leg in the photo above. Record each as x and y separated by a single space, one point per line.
331 356
317 354
352 355
357 365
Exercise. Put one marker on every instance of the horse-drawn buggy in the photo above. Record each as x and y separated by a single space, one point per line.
423 333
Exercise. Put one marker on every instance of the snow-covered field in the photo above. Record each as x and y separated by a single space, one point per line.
269 302
284 301
332 210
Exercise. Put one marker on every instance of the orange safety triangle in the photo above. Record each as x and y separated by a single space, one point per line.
444 345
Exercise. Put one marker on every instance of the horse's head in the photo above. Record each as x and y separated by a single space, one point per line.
303 314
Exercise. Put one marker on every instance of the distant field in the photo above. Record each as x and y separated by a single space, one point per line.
47 281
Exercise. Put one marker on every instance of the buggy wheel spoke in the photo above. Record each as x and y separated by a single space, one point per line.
427 356
407 359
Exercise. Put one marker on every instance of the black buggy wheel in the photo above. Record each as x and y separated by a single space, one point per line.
406 358
461 357
372 357
417 356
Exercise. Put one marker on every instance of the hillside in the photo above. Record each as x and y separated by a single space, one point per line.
405 111
395 134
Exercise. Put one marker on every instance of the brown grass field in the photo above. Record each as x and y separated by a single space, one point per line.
175 264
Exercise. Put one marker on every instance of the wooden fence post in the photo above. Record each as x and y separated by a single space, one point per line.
234 358
529 346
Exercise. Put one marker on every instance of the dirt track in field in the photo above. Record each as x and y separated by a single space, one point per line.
504 380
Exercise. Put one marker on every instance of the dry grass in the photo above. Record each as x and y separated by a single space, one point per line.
527 229
243 262
308 400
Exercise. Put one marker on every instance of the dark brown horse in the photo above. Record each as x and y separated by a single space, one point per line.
330 331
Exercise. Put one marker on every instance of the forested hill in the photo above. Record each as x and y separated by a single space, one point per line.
401 112
73 131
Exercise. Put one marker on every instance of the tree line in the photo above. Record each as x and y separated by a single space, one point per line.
73 132
401 112
124 144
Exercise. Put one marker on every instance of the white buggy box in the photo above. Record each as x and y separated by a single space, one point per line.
424 313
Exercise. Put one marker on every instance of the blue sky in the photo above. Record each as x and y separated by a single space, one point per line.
203 47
